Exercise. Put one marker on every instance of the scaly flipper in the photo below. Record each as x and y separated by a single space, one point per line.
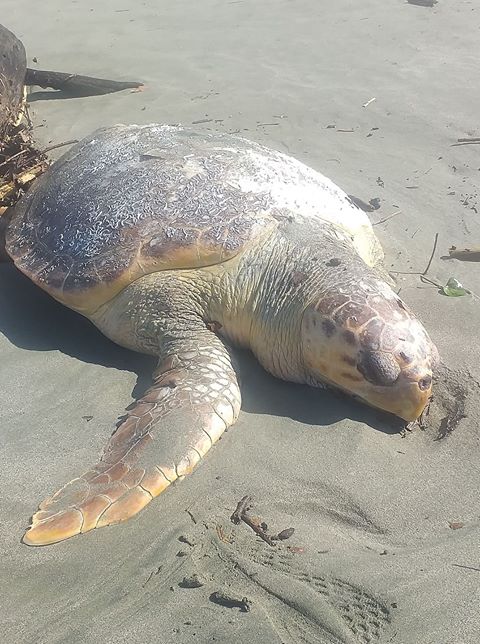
194 398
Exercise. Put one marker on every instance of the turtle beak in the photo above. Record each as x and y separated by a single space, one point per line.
406 398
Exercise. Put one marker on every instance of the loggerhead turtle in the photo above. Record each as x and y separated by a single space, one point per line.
174 242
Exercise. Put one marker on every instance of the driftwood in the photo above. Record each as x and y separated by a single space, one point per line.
76 85
13 64
20 161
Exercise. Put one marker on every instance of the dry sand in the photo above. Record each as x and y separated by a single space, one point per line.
371 508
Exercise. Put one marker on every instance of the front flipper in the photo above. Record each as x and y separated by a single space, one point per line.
194 398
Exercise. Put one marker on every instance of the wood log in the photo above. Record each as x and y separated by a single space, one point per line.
75 84
13 66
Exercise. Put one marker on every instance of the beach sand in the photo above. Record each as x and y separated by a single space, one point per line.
375 556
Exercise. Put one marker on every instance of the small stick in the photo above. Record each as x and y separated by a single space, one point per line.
382 221
423 273
15 156
243 506
257 529
454 145
466 567
49 149
256 524
26 112
58 145
431 256
474 140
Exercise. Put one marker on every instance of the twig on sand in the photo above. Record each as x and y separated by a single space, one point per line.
382 221
431 255
58 145
422 273
474 140
191 516
243 506
256 524
466 567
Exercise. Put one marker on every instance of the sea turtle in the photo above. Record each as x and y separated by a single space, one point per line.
179 243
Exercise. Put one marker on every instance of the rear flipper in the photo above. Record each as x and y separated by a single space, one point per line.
194 398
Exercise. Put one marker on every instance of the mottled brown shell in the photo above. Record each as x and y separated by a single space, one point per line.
132 200
125 202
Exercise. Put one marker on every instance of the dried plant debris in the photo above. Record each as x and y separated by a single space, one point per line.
20 163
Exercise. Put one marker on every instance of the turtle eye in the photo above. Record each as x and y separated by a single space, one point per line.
378 367
424 383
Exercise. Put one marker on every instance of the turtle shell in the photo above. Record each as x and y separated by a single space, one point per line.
132 200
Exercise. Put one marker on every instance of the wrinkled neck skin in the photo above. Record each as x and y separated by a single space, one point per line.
260 302
256 300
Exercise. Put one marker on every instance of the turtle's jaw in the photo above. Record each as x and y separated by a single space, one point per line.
406 399
406 395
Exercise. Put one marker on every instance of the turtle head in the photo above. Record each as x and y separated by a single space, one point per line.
369 344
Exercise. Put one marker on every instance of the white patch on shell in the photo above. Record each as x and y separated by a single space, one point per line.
300 189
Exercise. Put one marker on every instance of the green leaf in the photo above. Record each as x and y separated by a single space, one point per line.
453 288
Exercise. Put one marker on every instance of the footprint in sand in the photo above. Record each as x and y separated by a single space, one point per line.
300 604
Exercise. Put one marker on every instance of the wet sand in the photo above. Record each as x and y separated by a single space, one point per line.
374 557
